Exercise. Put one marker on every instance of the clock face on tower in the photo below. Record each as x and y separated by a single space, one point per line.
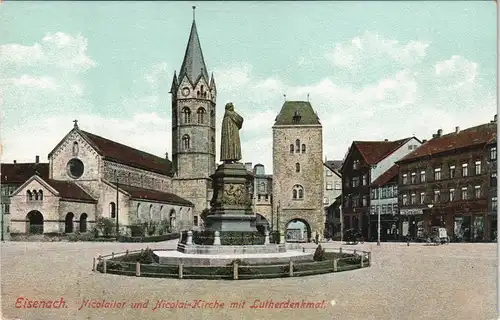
185 91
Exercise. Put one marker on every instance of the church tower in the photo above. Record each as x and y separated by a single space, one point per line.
193 126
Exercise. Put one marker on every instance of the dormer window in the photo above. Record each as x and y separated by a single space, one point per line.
296 117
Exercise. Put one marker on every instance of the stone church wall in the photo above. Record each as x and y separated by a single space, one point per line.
136 177
179 217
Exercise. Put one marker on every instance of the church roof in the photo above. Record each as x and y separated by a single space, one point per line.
147 194
70 190
297 113
126 155
193 65
18 173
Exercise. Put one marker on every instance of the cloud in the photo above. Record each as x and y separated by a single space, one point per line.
416 95
456 72
370 45
58 50
144 131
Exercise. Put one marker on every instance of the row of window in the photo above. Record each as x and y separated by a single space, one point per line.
384 192
357 181
337 186
385 209
297 148
452 173
201 115
452 195
356 201
34 195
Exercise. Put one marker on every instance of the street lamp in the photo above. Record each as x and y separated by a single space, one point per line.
378 216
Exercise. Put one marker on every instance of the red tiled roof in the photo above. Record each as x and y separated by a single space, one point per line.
386 176
478 135
374 151
19 173
146 194
121 153
70 190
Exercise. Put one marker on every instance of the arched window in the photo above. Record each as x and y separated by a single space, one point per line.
29 195
112 209
172 218
297 167
212 117
303 148
151 212
138 210
201 115
298 192
186 142
297 145
35 194
262 187
128 179
187 114
40 194
83 222
291 148
213 144
161 212
75 148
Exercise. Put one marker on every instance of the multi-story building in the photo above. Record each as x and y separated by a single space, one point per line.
333 189
445 183
262 196
384 201
365 161
13 176
492 193
298 182
333 227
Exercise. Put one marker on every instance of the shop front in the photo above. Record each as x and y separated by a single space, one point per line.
389 227
469 228
411 223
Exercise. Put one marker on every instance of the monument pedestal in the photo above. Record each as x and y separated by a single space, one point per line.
231 205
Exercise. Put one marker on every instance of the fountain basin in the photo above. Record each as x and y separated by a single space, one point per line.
223 259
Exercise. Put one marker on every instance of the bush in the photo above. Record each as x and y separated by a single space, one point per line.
87 236
163 227
319 254
148 257
105 226
137 230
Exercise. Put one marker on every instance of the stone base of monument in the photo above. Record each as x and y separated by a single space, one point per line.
231 205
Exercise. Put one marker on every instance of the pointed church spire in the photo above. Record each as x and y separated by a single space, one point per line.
193 65
175 84
212 82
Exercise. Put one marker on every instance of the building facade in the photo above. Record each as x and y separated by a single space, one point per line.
366 161
298 177
492 192
332 191
384 202
446 183
13 175
262 196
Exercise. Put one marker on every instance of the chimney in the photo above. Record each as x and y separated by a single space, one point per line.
424 141
439 133
457 129
37 159
15 161
386 140
166 155
495 118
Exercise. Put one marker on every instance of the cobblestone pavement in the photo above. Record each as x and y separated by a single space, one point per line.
455 281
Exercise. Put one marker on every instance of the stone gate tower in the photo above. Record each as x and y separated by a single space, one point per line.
193 127
298 180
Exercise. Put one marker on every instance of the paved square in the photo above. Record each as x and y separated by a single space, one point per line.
457 281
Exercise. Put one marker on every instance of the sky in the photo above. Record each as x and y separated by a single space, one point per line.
373 70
